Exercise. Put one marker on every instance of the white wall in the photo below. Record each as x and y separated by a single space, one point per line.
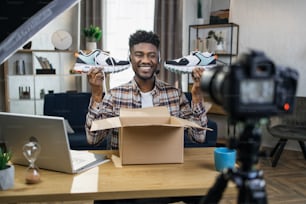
277 28
68 21
189 18
2 99
219 4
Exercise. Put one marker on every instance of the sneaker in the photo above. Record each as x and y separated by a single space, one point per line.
98 58
188 63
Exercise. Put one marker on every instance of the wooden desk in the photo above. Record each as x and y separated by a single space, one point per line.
193 178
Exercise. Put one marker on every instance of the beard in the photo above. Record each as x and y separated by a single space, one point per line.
145 74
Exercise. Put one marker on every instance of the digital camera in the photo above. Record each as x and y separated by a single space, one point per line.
252 87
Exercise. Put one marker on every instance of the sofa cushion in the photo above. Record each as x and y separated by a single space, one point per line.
72 106
78 141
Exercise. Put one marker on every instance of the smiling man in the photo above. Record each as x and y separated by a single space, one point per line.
144 90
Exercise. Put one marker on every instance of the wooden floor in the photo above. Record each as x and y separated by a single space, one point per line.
285 183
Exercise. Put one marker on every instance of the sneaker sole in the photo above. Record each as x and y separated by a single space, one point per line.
186 69
84 68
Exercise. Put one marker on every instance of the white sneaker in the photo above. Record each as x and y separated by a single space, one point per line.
188 63
98 58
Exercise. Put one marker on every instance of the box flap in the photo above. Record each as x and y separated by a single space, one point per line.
187 123
157 111
144 121
144 116
153 116
105 124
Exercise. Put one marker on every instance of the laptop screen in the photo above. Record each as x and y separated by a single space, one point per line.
23 19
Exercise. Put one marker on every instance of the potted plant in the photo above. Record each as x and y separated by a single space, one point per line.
93 34
7 171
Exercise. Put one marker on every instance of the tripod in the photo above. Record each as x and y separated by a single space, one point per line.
247 178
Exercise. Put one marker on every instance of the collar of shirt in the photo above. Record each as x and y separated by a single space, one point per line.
157 86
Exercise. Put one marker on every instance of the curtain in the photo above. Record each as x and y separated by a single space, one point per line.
168 25
91 14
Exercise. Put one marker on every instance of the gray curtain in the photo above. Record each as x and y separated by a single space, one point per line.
168 25
91 14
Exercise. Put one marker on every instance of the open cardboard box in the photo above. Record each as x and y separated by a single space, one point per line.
148 135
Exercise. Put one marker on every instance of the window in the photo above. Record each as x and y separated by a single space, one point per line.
121 18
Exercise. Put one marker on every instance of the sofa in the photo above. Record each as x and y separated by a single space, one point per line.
211 136
73 107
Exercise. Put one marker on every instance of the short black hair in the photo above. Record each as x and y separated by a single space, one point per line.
142 36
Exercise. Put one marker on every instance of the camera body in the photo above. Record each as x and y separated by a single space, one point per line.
252 87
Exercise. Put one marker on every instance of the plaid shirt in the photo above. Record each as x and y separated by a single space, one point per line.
128 96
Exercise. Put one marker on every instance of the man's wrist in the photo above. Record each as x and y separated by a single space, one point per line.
197 98
95 104
97 94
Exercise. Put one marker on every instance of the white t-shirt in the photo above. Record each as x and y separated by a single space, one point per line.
146 99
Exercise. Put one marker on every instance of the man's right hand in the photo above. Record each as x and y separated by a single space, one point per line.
95 78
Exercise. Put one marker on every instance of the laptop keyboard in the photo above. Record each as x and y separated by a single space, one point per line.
78 161
81 158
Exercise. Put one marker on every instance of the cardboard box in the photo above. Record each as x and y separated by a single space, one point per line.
148 135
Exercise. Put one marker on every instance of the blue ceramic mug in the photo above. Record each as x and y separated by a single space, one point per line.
224 158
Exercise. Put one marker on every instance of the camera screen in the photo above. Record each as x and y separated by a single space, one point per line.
256 91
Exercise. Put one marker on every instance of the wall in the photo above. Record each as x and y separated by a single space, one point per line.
190 15
189 18
277 28
68 21
2 98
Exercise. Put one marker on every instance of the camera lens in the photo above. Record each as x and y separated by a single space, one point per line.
212 82
252 87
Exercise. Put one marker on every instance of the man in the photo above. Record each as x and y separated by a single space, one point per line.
144 90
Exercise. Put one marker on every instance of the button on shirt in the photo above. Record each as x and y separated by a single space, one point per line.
129 96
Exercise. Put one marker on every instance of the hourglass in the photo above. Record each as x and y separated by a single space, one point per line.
31 151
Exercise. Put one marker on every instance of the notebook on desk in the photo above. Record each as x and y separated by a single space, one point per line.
51 134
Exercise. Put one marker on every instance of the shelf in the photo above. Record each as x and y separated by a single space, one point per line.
204 26
17 99
21 79
55 51
61 80
221 39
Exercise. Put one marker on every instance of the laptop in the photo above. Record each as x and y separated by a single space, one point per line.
51 134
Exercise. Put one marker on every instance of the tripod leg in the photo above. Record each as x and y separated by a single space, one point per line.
252 189
215 193
254 196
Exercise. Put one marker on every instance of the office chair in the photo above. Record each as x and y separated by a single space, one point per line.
289 127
